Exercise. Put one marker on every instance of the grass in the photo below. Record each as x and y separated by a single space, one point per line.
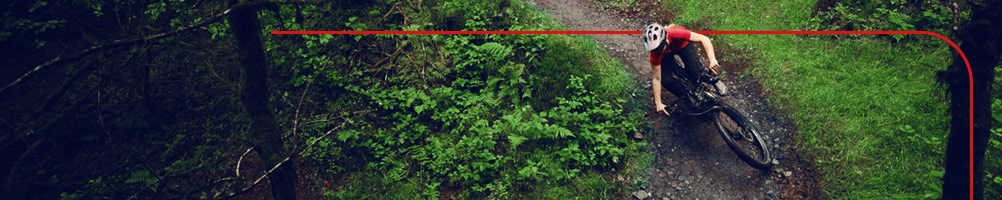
586 186
372 185
619 3
868 111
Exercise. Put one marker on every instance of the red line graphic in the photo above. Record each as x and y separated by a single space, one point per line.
595 32
970 74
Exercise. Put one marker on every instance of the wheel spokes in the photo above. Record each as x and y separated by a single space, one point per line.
743 138
747 135
736 132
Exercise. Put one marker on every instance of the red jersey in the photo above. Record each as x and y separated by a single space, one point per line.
678 38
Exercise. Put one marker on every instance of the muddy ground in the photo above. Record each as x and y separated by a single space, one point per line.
692 161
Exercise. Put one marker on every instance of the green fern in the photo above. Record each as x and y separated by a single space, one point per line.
495 50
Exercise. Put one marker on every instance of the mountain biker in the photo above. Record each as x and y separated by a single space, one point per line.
663 43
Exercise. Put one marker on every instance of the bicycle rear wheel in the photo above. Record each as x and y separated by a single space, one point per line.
742 137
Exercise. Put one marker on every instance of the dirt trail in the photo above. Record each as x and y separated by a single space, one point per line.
692 161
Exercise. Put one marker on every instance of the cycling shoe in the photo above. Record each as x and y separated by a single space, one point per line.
721 88
709 78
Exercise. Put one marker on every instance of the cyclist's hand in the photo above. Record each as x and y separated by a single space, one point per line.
661 108
714 65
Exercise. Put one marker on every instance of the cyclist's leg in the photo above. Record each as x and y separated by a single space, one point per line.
674 85
693 68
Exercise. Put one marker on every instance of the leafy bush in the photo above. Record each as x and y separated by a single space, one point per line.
993 167
485 113
928 15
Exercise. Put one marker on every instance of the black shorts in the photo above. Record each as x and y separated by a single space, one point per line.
693 69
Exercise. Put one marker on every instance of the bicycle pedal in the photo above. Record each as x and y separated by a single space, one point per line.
709 78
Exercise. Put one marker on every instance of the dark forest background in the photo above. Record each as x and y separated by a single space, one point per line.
164 99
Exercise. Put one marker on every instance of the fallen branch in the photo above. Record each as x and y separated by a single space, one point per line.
241 160
287 158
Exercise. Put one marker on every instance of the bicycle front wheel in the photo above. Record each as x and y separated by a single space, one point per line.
742 137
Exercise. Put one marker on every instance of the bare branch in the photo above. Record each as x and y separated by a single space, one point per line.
241 160
115 43
295 120
392 56
287 158
17 164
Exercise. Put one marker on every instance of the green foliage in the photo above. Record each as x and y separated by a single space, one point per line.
476 15
95 6
369 185
144 178
620 4
483 116
29 26
590 186
485 113
993 166
929 15
155 9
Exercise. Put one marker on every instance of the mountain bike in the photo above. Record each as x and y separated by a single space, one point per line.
737 131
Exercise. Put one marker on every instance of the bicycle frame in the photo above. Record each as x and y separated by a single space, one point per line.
701 101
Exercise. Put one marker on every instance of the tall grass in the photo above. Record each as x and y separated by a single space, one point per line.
868 111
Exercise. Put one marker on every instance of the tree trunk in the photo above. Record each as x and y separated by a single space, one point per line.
981 42
264 133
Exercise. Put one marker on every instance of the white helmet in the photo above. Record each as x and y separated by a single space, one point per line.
653 35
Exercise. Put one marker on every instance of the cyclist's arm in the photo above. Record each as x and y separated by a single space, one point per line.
708 46
656 84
